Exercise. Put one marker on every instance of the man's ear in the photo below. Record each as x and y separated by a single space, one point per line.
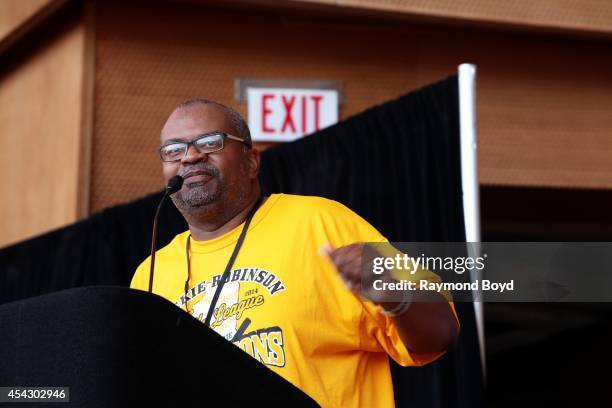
253 160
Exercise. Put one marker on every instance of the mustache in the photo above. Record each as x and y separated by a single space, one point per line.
200 168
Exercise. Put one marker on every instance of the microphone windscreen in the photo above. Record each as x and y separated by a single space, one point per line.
174 184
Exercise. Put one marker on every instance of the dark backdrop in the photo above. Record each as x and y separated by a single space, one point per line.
397 165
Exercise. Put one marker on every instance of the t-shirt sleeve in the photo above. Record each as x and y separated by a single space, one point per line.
377 332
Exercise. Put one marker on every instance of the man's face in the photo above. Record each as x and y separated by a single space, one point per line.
221 179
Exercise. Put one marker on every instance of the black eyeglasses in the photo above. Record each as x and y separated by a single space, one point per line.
206 143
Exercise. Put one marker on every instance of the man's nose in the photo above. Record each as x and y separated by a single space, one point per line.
193 155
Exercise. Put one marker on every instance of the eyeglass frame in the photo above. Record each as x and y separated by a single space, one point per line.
199 137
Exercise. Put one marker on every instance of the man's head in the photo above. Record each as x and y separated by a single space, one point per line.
215 184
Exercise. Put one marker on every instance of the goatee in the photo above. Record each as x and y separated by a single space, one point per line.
196 195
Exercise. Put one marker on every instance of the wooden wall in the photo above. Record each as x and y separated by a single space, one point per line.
17 17
593 16
14 13
544 101
41 134
544 97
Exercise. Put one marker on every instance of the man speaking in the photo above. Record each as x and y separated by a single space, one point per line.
292 263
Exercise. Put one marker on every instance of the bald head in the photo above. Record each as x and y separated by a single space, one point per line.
236 122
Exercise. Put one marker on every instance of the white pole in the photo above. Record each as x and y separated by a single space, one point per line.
469 180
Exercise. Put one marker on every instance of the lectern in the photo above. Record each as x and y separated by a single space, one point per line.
117 347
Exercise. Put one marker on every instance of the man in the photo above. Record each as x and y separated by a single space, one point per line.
291 298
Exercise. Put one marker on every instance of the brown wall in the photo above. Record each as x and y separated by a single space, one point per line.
14 13
584 15
544 102
40 135
18 17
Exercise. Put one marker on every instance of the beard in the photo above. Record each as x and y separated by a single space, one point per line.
218 197
195 196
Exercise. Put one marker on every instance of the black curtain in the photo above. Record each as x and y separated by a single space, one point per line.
397 165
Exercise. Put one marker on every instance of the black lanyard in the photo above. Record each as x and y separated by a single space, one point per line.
228 267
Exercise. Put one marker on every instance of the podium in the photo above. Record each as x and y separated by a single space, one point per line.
117 347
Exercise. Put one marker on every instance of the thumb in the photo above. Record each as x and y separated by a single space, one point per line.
326 250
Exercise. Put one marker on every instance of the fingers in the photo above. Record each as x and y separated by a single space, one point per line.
345 256
347 261
326 250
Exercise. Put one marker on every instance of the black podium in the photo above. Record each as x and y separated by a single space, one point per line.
119 347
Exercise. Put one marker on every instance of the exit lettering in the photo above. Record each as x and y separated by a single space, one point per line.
287 114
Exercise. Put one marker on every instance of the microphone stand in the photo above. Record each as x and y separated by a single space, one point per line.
174 185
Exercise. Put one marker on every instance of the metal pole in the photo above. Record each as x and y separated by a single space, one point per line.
469 180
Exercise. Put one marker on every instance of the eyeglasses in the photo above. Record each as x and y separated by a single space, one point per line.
206 143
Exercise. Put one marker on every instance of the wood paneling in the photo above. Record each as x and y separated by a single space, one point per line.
544 102
584 15
40 137
87 110
14 13
19 16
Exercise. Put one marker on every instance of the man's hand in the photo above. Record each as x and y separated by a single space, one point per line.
347 260
354 266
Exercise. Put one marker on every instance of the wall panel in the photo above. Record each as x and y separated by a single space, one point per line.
543 101
584 15
14 13
17 17
40 136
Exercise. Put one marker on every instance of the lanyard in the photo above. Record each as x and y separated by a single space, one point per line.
228 267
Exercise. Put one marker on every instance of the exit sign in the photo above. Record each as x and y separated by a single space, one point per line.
286 114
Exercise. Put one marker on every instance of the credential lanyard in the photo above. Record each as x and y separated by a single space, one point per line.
228 267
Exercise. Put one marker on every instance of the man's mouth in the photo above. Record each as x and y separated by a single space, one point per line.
197 177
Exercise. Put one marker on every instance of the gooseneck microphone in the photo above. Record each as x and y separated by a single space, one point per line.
174 185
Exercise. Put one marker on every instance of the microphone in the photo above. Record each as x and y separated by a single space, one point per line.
174 185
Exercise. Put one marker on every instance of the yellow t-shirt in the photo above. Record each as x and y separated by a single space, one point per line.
304 325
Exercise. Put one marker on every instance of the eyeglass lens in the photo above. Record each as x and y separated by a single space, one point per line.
205 144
